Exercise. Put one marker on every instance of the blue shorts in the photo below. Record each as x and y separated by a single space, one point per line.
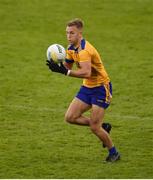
100 96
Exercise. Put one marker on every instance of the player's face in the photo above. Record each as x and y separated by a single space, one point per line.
73 34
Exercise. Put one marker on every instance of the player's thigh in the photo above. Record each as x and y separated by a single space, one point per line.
97 115
77 108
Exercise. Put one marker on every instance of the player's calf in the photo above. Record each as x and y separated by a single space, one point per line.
107 127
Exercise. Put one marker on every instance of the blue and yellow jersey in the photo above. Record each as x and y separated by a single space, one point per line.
86 52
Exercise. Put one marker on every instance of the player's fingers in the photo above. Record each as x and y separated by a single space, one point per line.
47 62
51 61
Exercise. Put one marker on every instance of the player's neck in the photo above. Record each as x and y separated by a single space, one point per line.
78 43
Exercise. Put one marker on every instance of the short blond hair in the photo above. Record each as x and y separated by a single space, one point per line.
76 22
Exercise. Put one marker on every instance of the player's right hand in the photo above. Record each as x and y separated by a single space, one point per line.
56 68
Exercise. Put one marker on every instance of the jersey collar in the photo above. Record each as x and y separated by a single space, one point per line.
83 42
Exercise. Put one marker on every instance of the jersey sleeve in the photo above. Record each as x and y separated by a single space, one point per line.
84 56
69 58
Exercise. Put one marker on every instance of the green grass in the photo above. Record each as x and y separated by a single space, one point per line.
35 142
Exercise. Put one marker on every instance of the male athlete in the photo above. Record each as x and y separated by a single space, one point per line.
96 91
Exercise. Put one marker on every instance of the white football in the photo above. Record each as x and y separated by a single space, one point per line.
56 52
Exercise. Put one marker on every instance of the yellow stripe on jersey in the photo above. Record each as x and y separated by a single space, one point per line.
108 94
86 52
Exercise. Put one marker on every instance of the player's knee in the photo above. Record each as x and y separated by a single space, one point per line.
69 117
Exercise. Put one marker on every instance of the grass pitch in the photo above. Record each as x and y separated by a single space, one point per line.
35 142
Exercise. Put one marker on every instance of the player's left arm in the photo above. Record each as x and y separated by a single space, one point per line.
84 70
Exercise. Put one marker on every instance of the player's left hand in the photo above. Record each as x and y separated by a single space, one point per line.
59 68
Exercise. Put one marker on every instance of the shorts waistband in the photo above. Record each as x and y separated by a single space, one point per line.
96 87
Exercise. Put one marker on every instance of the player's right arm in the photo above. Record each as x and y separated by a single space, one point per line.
68 65
69 60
